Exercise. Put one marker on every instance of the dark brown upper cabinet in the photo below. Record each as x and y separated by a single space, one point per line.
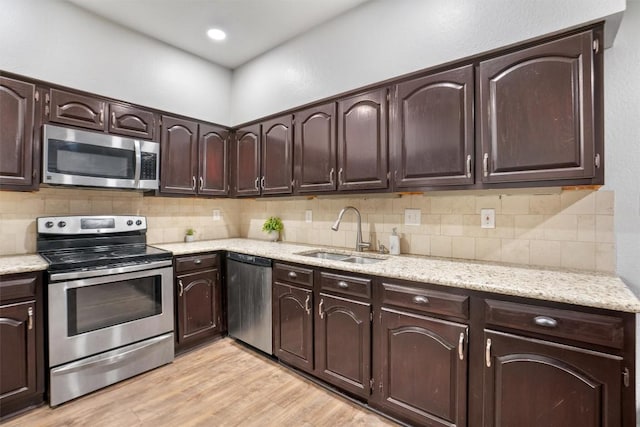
71 108
213 146
246 161
194 158
18 161
315 149
178 156
277 156
528 382
536 112
132 121
362 141
432 132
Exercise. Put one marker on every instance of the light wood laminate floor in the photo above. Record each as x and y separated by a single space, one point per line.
221 384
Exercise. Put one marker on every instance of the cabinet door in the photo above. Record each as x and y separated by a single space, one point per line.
178 156
432 130
531 383
362 141
536 112
421 368
343 343
77 110
199 305
17 352
213 146
277 156
247 161
132 121
293 325
315 149
16 133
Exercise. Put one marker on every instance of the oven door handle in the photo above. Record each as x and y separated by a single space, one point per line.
107 361
56 277
136 146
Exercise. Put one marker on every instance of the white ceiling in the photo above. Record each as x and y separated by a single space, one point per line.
252 26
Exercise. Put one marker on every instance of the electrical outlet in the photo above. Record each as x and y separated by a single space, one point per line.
487 218
412 216
216 214
308 215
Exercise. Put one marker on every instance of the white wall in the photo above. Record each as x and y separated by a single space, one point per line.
386 38
55 41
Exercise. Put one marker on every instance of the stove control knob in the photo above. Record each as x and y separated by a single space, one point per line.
48 224
139 222
62 224
129 222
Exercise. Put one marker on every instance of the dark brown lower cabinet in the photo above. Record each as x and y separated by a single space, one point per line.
198 302
532 383
420 368
293 325
21 343
343 343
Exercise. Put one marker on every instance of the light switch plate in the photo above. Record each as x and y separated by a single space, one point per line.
216 214
412 216
308 215
487 218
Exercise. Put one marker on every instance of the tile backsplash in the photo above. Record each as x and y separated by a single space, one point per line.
570 229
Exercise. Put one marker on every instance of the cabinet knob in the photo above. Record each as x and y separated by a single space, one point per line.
343 285
545 322
420 299
320 312
193 182
485 164
469 166
292 275
461 346
306 304
30 321
197 261
487 353
181 287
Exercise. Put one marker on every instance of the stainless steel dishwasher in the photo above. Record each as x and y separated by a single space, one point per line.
249 300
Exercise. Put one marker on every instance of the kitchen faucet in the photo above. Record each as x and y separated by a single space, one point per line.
359 243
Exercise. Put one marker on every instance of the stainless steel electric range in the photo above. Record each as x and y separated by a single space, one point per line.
110 302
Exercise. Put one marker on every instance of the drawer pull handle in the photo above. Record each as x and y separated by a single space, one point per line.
292 275
343 285
30 322
198 261
487 353
306 304
181 287
419 299
546 322
461 346
320 312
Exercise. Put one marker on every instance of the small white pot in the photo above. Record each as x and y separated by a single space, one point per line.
273 235
189 238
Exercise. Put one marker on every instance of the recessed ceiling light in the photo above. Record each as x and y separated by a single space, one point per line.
216 34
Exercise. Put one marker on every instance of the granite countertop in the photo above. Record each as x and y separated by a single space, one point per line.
22 264
572 287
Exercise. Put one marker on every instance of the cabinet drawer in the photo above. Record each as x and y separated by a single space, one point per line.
425 300
291 274
78 110
346 285
574 325
196 262
18 286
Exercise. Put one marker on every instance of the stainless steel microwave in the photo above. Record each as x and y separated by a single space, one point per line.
77 157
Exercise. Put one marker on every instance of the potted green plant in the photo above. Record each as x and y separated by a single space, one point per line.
190 235
273 226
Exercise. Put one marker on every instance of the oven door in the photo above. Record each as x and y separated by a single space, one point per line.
90 316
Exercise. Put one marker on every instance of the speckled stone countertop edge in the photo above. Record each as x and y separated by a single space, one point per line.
581 288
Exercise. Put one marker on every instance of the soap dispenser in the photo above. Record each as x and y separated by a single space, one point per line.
394 243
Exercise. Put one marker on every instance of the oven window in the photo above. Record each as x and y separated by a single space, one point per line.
100 306
90 160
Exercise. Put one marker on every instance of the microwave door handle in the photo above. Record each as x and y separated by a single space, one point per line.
136 145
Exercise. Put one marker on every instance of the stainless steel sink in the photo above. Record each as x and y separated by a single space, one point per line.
326 255
361 260
354 259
